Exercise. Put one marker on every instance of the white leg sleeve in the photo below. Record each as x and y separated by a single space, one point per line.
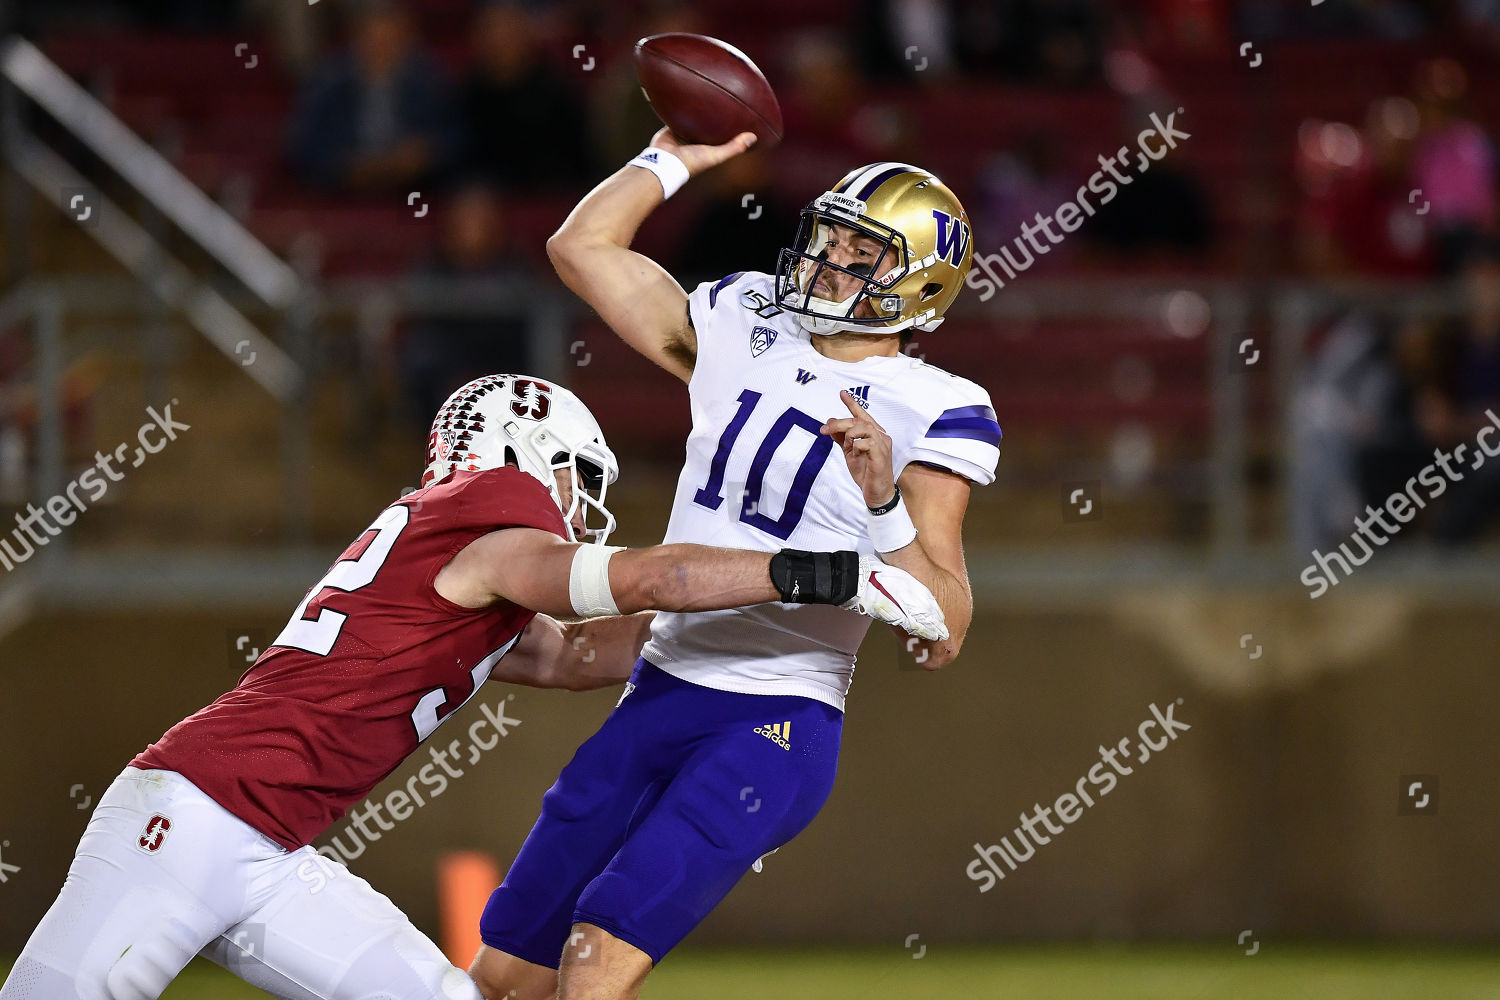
323 933
128 919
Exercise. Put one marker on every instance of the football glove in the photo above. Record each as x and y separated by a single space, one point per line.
895 596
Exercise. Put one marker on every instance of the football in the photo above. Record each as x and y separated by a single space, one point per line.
706 90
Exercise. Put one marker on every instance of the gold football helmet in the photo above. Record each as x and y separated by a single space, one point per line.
912 215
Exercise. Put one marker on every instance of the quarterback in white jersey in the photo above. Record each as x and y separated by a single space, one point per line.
759 474
642 834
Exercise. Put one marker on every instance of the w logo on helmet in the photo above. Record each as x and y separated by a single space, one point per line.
952 237
533 399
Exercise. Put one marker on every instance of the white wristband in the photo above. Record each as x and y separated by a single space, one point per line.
588 581
671 171
892 530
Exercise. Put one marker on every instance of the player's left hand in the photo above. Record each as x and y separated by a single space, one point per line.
895 596
929 654
867 451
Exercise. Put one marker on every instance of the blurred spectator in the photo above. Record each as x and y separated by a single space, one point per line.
1161 208
1353 438
378 117
525 122
1053 42
296 30
832 124
1481 17
1395 19
1465 384
1453 165
1016 184
620 119
440 354
1199 27
1357 214
905 39
742 228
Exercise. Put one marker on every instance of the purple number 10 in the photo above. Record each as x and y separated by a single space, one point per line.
712 493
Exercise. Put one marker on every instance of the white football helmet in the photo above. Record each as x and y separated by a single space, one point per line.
537 426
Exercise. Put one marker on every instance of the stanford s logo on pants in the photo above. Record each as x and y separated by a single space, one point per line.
155 834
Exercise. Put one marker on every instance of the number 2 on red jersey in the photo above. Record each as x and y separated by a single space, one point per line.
318 635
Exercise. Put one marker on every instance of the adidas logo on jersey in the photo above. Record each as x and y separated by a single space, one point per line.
780 733
861 394
804 376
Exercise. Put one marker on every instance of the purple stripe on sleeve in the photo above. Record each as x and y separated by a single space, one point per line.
977 423
713 293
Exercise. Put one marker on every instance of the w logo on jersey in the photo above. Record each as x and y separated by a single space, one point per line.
761 338
952 237
804 376
861 394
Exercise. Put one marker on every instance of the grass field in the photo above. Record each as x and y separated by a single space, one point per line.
1042 973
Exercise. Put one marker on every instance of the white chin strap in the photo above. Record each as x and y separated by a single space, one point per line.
827 325
828 315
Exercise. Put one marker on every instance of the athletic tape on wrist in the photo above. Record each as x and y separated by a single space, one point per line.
892 530
588 581
670 170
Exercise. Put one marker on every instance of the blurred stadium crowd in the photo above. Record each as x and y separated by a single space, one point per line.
500 115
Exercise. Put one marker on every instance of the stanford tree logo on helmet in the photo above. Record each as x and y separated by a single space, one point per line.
541 429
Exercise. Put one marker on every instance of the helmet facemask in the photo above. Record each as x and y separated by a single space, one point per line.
590 484
806 261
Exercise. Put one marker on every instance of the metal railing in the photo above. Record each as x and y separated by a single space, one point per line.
30 73
367 313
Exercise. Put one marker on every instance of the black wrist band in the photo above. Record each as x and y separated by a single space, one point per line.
815 577
888 506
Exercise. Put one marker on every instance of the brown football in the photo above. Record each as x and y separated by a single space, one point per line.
706 90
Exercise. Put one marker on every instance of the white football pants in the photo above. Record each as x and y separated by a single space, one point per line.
292 923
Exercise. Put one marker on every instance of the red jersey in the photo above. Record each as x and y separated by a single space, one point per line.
369 665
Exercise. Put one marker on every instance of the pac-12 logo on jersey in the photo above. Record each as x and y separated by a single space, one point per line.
952 237
761 338
533 399
155 834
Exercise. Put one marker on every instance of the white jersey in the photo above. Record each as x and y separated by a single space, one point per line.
759 476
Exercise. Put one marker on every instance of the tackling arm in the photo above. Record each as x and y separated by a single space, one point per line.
582 656
533 568
631 292
539 570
